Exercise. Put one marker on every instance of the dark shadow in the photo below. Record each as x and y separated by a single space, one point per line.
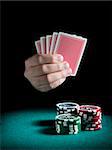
48 126
43 123
48 131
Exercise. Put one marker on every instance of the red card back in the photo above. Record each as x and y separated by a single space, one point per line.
71 48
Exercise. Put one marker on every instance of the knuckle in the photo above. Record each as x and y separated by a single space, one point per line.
26 62
52 85
35 83
43 89
25 73
49 78
44 68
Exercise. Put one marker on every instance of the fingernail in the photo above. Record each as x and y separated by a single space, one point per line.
66 65
59 58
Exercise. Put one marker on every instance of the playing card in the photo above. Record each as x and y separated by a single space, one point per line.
43 45
38 46
53 42
48 43
71 47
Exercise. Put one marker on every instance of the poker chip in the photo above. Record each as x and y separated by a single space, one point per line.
91 117
72 118
67 107
95 128
67 124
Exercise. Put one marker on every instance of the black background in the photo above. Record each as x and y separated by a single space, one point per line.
25 22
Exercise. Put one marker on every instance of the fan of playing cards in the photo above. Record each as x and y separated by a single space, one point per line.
71 47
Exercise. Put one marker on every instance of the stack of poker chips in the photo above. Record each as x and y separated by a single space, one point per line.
67 107
67 120
72 118
90 117
68 124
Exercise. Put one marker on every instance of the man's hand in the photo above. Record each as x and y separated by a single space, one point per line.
46 72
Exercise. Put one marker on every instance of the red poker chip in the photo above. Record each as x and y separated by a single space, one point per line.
95 125
98 128
90 108
96 119
93 129
95 122
92 121
92 118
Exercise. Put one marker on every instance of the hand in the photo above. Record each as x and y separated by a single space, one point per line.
46 72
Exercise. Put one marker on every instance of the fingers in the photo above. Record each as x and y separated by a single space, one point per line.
47 69
57 83
47 87
32 61
58 75
34 71
39 81
46 72
43 59
44 88
50 68
46 58
50 81
47 78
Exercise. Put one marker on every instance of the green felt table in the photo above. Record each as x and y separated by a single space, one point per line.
34 129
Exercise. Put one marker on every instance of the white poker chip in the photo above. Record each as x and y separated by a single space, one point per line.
69 105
